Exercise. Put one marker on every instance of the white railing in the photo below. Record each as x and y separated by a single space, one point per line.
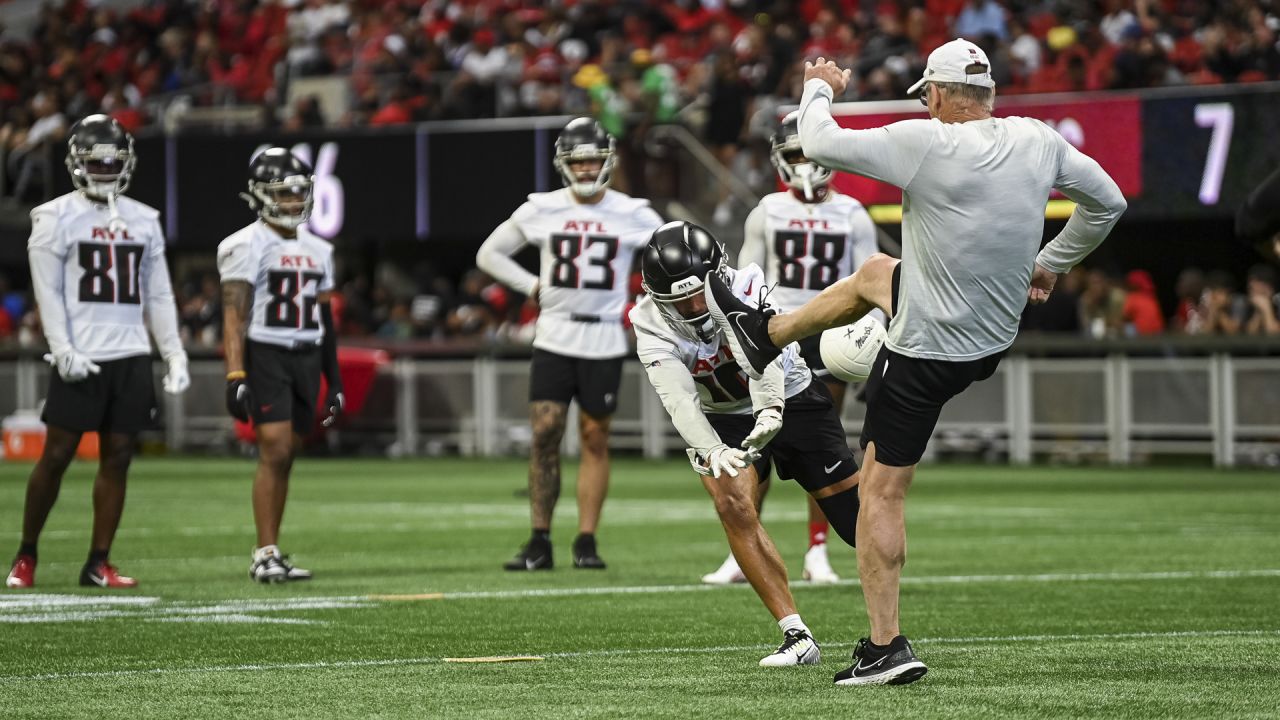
1116 409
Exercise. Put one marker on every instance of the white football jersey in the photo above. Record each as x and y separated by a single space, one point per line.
806 247
721 384
107 278
287 275
586 257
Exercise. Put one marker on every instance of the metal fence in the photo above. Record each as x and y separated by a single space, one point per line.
1126 404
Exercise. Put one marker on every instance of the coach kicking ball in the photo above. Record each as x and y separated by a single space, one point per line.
974 189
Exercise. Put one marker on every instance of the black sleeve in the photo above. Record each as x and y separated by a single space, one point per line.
1259 217
329 348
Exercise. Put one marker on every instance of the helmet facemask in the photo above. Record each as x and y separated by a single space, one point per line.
284 203
102 171
582 183
804 175
700 328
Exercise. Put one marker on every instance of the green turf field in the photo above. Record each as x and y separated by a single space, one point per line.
1031 593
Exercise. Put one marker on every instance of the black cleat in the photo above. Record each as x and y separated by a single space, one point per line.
896 665
585 555
745 327
535 555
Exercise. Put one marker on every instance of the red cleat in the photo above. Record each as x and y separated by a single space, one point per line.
23 574
105 575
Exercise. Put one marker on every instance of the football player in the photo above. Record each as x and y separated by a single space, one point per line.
278 337
100 278
806 238
735 426
587 236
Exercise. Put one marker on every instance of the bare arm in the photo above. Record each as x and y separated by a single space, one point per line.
237 303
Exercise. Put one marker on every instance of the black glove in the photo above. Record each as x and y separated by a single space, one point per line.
239 399
333 405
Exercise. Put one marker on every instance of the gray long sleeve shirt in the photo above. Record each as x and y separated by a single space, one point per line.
973 199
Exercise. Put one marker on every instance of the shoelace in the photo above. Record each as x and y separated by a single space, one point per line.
762 302
792 637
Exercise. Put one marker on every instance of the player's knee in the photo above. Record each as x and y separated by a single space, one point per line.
276 454
841 510
115 459
59 450
736 509
595 439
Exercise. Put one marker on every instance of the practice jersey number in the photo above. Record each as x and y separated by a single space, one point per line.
98 284
599 250
286 288
726 383
826 249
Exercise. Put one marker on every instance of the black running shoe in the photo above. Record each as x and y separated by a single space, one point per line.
896 665
535 555
745 327
585 555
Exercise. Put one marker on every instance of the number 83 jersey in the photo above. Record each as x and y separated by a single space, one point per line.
587 252
806 247
287 276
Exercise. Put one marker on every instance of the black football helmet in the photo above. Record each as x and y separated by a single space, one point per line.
280 188
675 266
805 175
584 139
100 157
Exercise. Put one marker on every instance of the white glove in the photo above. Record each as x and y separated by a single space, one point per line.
72 365
724 460
177 380
768 423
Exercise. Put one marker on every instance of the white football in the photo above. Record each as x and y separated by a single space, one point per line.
851 350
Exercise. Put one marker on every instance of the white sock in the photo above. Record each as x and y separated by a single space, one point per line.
793 622
265 551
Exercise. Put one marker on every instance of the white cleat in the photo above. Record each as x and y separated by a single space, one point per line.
799 648
817 569
267 566
728 574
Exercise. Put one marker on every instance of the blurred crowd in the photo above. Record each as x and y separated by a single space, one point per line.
1099 304
410 60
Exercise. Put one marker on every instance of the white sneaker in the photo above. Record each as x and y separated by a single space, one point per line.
728 574
799 648
267 566
817 569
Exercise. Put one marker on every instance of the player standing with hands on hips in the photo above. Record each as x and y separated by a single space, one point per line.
278 337
587 236
806 238
974 191
100 278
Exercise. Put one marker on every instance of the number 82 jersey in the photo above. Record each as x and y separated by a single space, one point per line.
287 276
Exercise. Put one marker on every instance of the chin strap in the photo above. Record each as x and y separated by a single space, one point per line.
116 223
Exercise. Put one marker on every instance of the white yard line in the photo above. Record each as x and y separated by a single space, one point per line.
920 580
394 662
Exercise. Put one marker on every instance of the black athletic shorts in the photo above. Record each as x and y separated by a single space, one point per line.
810 448
560 378
121 398
905 395
285 384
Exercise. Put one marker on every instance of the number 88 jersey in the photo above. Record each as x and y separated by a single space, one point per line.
287 276
806 247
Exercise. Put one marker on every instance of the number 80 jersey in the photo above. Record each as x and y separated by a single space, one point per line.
287 275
